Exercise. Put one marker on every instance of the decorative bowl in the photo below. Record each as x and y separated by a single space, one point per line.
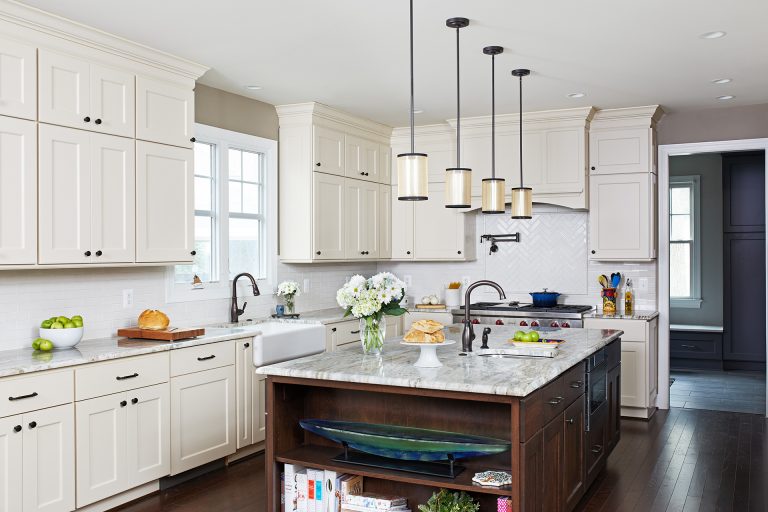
63 338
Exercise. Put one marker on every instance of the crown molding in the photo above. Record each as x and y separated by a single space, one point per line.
580 116
650 115
300 113
62 28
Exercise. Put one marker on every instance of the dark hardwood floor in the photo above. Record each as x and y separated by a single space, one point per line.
682 460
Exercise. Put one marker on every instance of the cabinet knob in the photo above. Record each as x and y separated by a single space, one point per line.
98 121
318 253
123 403
593 167
87 119
333 330
17 428
99 253
193 253
459 252
407 252
193 139
134 401
317 164
362 252
597 449
593 252
33 424
247 345
570 421
87 253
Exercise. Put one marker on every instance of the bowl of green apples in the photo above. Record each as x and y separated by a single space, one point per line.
61 332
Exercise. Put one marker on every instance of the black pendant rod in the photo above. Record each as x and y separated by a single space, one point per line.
458 101
520 73
493 51
413 135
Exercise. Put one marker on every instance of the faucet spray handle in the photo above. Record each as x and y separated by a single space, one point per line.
486 332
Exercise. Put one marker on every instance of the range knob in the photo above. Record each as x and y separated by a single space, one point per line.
523 323
475 321
534 324
565 325
554 324
499 322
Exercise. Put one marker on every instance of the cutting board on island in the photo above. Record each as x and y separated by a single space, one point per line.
173 334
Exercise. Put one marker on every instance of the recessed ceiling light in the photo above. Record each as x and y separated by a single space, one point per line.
717 34
726 97
253 87
575 95
721 81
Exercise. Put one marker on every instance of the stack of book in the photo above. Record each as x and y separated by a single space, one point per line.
315 490
371 502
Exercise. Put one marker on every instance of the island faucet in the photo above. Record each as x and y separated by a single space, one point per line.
235 312
469 332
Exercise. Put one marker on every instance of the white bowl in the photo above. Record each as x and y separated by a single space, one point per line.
63 338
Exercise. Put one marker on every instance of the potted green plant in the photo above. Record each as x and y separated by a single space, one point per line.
446 501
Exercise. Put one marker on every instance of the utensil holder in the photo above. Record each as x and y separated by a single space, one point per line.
453 297
609 301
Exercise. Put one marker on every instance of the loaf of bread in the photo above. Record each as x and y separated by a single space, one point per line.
153 320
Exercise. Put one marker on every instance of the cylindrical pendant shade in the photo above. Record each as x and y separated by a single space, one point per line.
493 195
412 177
458 187
522 203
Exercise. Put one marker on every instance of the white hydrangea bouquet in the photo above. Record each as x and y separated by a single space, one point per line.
369 300
288 290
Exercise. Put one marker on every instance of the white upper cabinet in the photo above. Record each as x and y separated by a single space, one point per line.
402 227
329 218
18 80
385 164
328 151
164 203
385 221
447 242
362 159
623 140
76 93
165 112
362 219
18 191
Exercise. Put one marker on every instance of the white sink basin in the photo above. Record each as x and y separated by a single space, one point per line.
281 341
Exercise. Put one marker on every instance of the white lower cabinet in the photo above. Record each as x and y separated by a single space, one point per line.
11 449
251 405
203 426
123 441
259 385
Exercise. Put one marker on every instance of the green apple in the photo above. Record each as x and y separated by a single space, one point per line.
53 319
526 337
46 324
519 335
62 320
46 345
36 344
70 325
534 336
78 322
77 317
57 325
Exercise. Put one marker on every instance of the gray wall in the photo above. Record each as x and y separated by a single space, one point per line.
229 111
715 124
709 167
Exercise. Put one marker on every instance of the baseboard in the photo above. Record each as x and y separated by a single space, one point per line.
640 413
171 481
695 364
246 452
744 365
122 498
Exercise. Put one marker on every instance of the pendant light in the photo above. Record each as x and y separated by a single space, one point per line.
493 187
412 170
458 180
522 197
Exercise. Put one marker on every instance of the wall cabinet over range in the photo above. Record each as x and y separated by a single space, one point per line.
78 189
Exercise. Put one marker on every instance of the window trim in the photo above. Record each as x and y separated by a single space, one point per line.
224 139
693 181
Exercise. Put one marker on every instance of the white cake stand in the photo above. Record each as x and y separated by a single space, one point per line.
428 357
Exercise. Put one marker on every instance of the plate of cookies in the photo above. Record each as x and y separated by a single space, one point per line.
427 335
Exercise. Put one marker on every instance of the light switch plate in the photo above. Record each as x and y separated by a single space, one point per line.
127 298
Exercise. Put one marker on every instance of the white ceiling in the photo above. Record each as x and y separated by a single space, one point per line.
353 54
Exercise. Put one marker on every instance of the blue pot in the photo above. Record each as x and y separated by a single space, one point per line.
544 299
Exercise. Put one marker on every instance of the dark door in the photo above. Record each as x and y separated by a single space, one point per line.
743 192
532 474
553 464
613 433
573 454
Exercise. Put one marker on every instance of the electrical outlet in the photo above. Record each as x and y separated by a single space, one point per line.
127 298
306 286
642 284
465 280
407 280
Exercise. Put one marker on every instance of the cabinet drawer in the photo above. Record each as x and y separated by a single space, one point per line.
347 332
614 353
113 377
696 346
634 330
37 391
573 384
538 408
202 357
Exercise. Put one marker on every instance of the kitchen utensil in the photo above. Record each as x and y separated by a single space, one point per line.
63 338
615 280
174 334
544 299
603 280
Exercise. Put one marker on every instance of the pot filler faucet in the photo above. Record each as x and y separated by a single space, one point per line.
235 312
469 332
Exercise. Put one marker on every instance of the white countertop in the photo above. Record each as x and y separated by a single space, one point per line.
637 315
471 374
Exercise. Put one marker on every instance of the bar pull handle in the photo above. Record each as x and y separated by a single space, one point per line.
206 358
126 377
22 397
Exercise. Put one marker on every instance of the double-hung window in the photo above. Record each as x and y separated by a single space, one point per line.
235 215
684 242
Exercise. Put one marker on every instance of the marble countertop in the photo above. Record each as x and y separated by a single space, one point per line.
471 374
637 315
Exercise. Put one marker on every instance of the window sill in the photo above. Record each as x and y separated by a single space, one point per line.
685 303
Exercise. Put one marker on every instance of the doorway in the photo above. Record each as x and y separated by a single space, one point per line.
712 267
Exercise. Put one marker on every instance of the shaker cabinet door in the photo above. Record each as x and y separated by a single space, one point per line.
165 112
11 435
385 222
64 93
402 235
330 217
620 151
18 80
18 191
245 400
148 434
328 151
445 243
113 101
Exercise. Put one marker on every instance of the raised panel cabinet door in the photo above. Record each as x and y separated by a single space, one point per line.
613 433
101 448
402 228
113 101
113 199
165 112
11 435
355 222
565 170
148 434
532 474
202 418
354 158
621 220
620 151
64 94
64 196
573 454
744 192
330 217
18 190
259 394
634 387
553 456
445 243
328 150
245 400
18 80
49 460
385 164
370 163
164 203
372 220
385 222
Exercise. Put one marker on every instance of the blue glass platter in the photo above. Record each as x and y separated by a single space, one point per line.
405 443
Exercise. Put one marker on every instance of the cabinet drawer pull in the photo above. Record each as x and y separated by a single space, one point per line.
134 401
597 449
318 164
87 119
570 421
33 424
693 347
192 139
576 384
206 358
99 253
247 345
556 400
333 330
123 403
22 397
126 377
354 332
98 121
17 428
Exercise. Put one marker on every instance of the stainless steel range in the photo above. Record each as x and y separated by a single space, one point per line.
523 315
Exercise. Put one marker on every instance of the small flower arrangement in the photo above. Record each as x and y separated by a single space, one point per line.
288 290
369 300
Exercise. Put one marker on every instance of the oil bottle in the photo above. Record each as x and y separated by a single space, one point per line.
629 298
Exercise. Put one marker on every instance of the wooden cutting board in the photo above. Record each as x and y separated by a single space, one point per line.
165 335
430 306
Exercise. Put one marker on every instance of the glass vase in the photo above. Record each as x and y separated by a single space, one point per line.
290 304
372 333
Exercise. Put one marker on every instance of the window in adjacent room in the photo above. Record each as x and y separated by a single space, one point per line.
684 242
235 214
